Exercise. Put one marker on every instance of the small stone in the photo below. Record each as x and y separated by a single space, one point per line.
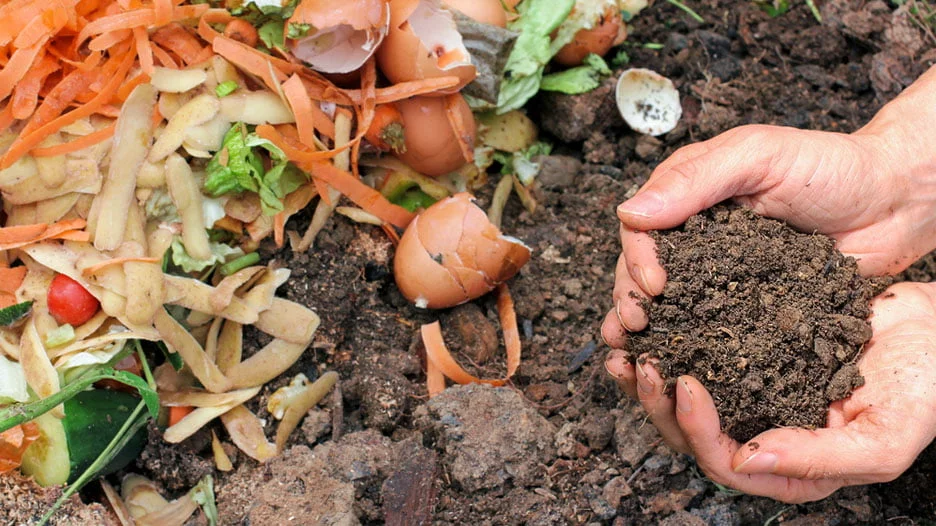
572 287
557 171
316 424
478 335
615 490
648 146
559 315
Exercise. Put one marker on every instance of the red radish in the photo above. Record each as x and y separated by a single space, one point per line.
69 302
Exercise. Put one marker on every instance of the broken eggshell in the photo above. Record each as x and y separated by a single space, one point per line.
341 35
431 144
423 42
451 254
648 101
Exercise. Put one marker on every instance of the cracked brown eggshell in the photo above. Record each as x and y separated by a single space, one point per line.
451 253
432 147
342 35
423 43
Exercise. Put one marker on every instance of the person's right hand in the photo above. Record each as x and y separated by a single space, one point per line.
859 189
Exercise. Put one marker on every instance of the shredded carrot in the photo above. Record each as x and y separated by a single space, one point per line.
362 195
439 355
109 40
11 278
164 58
78 144
212 16
322 190
405 90
144 49
270 69
457 122
440 363
26 94
162 11
508 321
19 236
94 269
25 142
178 412
298 98
435 380
279 229
6 118
124 90
14 442
391 233
17 67
177 39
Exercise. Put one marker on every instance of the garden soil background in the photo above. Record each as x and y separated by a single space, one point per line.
560 445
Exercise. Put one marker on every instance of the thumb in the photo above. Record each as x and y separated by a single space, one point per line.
861 452
736 163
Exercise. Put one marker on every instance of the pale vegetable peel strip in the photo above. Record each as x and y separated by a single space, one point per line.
198 398
289 321
41 377
108 217
247 433
195 295
222 460
198 418
271 361
230 346
300 405
181 341
224 292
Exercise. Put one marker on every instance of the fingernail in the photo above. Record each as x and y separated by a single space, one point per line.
617 311
644 204
683 397
616 363
644 383
641 276
758 463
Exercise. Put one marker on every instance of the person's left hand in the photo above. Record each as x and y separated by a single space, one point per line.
872 436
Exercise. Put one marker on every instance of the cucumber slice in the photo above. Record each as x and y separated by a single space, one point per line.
66 448
46 459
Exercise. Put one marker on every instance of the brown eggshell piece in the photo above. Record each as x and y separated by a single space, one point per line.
342 35
419 46
455 238
432 147
420 278
598 40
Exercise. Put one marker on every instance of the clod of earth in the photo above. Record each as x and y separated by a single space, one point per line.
770 320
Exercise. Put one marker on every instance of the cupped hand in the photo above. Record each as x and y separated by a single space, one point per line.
859 189
872 436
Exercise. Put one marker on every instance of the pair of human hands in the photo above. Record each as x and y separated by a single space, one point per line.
874 192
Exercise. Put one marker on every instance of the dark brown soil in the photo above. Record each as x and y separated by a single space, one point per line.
769 319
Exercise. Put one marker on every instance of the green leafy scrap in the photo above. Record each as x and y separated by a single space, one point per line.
239 167
580 79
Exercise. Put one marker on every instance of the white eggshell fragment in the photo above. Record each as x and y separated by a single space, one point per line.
648 101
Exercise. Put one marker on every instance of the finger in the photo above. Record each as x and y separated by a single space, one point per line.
612 331
861 452
659 406
619 366
627 299
740 165
714 450
644 267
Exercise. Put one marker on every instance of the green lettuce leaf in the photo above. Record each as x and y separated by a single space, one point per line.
220 253
579 79
239 167
531 52
536 46
520 163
